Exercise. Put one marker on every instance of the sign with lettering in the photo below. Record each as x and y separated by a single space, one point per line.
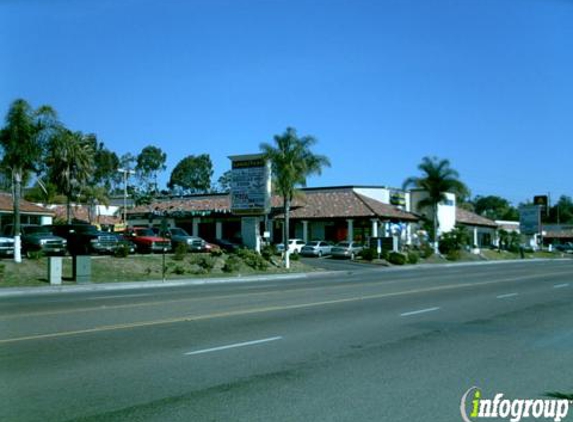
250 185
529 219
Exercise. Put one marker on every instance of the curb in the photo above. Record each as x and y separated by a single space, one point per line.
130 285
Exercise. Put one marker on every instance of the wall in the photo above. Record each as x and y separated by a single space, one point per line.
446 212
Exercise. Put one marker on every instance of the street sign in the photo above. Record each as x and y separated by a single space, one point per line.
542 200
250 185
530 219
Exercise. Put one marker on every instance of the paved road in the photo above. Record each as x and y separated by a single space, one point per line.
373 345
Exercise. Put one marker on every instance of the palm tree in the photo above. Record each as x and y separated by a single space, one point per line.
292 162
437 179
71 163
22 141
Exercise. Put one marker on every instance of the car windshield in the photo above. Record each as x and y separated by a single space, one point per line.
144 232
85 229
36 230
178 232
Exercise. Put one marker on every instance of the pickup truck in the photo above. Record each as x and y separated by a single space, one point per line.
146 241
37 238
85 239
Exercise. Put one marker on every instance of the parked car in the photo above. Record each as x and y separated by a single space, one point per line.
124 241
294 245
6 246
179 236
565 247
211 247
346 250
227 245
316 248
85 239
146 241
37 238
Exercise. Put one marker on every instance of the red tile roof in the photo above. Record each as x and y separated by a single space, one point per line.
472 219
80 212
308 205
6 205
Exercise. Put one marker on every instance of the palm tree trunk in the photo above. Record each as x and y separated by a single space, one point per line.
286 231
436 247
17 176
68 210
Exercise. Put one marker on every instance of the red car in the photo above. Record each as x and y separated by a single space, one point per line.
146 241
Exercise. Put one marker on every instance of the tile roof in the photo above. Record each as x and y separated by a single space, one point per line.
80 212
309 205
472 219
6 205
565 234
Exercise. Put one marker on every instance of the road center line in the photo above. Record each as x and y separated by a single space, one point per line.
507 295
560 286
232 346
421 311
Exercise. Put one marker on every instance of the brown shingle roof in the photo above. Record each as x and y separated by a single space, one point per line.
80 212
6 205
472 219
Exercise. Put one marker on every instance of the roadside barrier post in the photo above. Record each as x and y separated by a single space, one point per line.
82 269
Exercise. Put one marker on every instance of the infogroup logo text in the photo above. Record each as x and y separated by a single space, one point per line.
514 410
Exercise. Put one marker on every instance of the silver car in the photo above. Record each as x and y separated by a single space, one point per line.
346 250
316 248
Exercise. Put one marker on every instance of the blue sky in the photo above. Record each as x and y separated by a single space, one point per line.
485 83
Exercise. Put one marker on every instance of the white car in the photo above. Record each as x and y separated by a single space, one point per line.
6 246
294 246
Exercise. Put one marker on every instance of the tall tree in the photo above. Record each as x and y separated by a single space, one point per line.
106 163
292 162
22 140
224 181
437 179
192 175
71 164
150 162
562 211
495 208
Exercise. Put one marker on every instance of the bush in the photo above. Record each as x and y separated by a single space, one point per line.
216 253
397 258
122 251
180 252
454 255
179 270
252 259
426 251
207 263
2 270
454 240
268 251
369 254
232 264
413 257
294 256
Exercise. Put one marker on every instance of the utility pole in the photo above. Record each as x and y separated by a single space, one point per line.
126 173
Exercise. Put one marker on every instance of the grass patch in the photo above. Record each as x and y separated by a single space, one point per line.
110 269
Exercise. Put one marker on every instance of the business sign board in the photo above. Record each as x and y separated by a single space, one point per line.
530 219
250 185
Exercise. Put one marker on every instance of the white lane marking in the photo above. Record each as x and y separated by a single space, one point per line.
421 311
560 286
507 295
231 346
119 296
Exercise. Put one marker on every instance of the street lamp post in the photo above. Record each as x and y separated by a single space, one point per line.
126 173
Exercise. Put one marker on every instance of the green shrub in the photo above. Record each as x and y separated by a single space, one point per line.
179 270
294 256
252 259
216 253
122 251
454 255
180 252
207 262
369 254
454 240
413 257
2 270
426 251
268 251
397 258
232 264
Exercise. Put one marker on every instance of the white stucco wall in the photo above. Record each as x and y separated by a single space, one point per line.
446 211
379 194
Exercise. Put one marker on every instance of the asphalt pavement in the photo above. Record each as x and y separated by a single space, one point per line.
365 345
